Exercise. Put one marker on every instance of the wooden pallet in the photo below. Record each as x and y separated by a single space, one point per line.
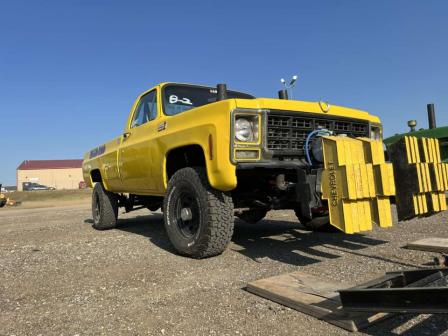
313 296
439 245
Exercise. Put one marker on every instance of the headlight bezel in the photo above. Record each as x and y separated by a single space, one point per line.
258 117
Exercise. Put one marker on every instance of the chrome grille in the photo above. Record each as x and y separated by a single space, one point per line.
287 131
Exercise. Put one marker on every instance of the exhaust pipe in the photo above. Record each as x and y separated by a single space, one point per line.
221 92
283 94
431 116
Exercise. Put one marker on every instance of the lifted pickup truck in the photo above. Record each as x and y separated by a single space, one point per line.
206 154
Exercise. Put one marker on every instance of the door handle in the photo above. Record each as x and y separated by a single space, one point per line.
126 135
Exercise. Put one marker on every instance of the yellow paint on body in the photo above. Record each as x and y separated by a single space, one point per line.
137 163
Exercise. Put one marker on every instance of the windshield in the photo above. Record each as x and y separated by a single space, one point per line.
181 98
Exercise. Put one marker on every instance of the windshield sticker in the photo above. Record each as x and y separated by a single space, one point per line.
175 99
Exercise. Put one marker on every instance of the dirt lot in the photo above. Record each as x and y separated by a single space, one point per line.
58 276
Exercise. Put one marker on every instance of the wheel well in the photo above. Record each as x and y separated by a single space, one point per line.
188 156
96 175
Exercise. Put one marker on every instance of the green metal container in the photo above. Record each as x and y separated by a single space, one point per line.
440 133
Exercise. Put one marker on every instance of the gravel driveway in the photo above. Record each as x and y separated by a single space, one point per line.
58 276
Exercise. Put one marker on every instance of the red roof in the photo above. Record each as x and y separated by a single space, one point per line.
49 164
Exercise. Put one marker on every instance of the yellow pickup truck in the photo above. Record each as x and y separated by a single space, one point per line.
207 154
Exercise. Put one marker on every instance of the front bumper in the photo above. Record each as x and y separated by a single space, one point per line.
270 165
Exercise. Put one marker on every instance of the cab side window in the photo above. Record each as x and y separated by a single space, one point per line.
146 109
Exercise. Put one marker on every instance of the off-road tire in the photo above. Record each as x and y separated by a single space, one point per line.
317 223
211 211
104 208
252 216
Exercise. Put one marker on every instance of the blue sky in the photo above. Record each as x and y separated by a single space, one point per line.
70 70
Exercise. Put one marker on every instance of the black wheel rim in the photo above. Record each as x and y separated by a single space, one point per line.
187 214
96 208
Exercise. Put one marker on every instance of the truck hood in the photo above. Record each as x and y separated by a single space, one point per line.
303 106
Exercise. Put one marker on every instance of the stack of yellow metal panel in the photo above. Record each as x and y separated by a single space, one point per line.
421 177
357 183
438 173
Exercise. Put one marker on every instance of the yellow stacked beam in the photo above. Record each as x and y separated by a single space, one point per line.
357 183
384 182
422 172
421 177
437 172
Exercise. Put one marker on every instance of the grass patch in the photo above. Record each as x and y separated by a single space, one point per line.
49 195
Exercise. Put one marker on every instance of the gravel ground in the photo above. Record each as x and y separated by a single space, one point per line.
58 276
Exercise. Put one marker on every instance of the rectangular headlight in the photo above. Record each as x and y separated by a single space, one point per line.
246 128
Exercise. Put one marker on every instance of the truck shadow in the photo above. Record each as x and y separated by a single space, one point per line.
282 241
150 226
287 242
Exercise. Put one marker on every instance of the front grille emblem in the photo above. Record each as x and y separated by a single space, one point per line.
324 106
